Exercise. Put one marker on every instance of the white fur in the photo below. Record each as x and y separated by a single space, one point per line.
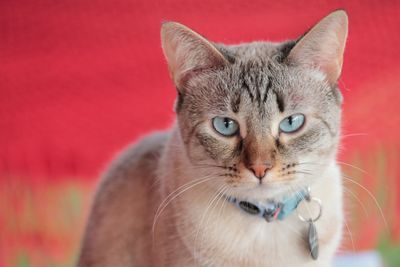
223 235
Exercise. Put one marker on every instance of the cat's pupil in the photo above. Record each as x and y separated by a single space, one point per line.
227 122
290 120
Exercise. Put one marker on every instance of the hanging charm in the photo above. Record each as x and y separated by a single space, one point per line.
313 240
312 237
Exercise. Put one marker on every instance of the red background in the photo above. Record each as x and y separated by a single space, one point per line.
81 79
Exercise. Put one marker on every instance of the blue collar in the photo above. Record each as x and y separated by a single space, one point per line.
271 210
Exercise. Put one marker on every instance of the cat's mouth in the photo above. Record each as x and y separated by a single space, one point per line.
268 188
261 192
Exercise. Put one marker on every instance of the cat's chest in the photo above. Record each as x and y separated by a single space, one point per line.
220 234
260 242
226 236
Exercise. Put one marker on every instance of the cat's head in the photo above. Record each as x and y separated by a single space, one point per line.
260 116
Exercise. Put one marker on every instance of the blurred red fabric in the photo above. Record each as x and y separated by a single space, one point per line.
81 79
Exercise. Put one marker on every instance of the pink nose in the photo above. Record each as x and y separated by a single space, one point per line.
260 170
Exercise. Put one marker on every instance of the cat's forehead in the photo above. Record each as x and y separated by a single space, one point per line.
258 62
261 77
258 83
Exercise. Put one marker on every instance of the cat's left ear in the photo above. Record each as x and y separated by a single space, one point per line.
322 47
187 52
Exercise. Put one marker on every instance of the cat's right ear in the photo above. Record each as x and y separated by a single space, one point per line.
187 52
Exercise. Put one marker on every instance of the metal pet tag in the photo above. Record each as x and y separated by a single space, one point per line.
313 240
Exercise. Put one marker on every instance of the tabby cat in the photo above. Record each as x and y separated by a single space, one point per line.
247 176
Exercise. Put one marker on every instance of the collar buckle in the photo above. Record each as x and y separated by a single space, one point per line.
271 211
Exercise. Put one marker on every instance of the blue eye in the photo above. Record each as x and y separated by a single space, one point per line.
292 123
225 126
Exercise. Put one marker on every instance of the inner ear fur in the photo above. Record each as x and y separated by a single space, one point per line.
187 52
322 47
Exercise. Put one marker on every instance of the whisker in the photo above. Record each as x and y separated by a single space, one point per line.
177 192
209 204
373 198
350 165
371 195
358 200
181 187
353 134
210 165
310 163
219 197
350 234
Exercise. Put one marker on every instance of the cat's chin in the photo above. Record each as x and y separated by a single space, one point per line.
266 190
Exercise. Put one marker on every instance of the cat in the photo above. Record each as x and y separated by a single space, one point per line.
258 124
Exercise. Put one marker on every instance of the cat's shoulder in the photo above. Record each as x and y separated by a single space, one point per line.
123 202
146 151
137 161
